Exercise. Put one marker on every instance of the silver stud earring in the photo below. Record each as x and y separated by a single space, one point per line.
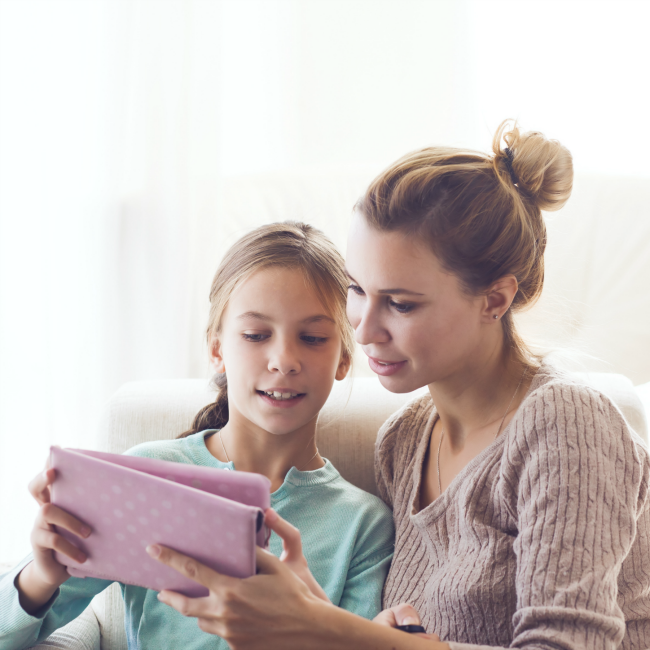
495 316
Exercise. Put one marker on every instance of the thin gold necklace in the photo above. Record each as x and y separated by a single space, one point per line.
503 419
298 468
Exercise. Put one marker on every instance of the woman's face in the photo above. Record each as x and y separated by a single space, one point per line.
411 317
281 350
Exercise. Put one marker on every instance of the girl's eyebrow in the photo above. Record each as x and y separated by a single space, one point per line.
391 292
318 318
311 319
254 315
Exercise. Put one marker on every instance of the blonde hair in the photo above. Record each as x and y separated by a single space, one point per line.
290 245
480 213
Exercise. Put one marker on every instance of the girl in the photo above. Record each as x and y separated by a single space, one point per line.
278 332
520 497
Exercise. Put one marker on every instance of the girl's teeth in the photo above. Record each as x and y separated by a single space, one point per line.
280 396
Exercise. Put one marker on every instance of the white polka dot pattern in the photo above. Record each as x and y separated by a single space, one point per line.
131 502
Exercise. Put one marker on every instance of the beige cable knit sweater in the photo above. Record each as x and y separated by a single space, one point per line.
542 541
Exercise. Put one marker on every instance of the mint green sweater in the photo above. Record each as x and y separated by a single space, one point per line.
347 537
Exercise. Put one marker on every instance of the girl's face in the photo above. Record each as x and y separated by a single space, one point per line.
411 317
281 350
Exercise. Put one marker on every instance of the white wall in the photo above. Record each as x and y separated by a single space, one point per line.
128 127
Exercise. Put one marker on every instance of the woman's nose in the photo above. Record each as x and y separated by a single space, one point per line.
284 359
368 329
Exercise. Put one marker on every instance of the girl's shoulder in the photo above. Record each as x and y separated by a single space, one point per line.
358 500
349 507
179 450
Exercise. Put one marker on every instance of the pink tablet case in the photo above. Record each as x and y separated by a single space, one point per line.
213 515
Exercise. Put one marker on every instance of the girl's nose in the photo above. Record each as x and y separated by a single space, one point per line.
284 360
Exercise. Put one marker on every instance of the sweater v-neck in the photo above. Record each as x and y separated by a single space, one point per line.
425 516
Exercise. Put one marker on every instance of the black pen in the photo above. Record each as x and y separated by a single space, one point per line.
412 629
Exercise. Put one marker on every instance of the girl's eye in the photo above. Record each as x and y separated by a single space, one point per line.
255 338
357 289
401 307
314 340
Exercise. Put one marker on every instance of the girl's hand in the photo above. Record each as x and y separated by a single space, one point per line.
402 614
39 580
292 555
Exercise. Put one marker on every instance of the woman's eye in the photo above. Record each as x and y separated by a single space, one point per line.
357 289
401 307
314 340
255 338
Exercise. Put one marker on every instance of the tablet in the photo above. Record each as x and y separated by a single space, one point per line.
213 515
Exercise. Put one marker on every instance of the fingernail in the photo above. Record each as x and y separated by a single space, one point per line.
153 550
410 620
271 515
85 531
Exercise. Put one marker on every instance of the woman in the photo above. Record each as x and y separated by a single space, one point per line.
520 497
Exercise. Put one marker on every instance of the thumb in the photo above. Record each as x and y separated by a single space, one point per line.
406 615
290 535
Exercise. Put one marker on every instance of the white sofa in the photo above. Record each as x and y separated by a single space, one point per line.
156 410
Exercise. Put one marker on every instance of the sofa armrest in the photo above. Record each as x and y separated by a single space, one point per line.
109 612
80 634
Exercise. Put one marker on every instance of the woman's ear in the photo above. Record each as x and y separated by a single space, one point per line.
216 360
499 298
343 368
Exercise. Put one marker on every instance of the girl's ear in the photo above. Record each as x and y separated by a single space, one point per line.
344 367
216 360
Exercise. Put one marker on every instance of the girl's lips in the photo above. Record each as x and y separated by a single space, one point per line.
281 403
384 368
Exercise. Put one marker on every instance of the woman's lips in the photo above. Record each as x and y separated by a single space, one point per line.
385 368
281 404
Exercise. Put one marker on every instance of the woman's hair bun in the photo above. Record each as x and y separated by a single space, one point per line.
542 168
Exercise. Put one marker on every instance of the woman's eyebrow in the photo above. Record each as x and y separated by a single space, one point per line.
392 292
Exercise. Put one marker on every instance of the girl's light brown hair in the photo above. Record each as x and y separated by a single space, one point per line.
290 245
480 213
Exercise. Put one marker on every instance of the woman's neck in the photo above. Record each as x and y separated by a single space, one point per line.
252 449
476 398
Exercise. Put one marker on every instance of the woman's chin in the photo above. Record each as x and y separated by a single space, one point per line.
400 383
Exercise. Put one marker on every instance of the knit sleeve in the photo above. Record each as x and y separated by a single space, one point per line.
577 486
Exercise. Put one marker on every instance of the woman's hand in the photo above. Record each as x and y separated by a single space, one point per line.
402 614
292 555
39 580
